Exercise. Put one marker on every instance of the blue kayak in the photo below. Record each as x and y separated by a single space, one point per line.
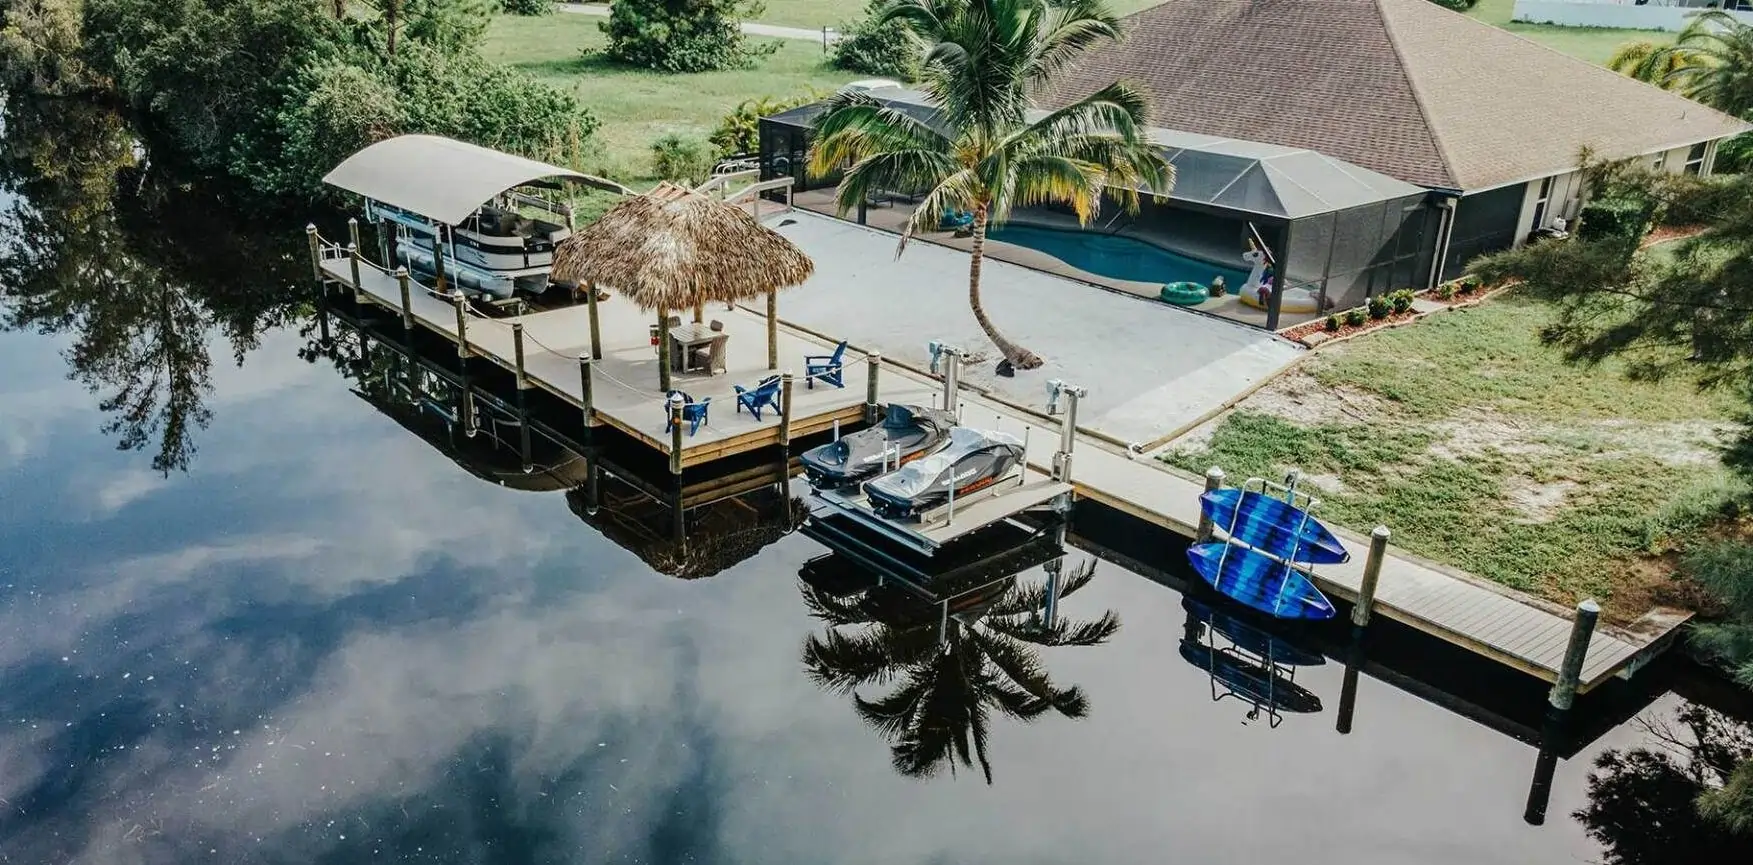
1260 581
1251 638
1257 684
1272 526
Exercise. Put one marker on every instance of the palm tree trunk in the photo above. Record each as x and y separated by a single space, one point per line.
392 10
1019 357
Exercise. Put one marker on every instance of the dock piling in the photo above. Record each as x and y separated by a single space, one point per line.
1213 481
523 380
353 231
785 409
1372 573
584 386
316 256
456 297
1570 673
873 363
353 265
407 299
596 329
675 434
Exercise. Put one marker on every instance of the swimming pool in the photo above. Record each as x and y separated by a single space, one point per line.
1117 257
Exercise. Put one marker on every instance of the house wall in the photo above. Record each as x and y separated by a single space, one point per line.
1608 13
1566 194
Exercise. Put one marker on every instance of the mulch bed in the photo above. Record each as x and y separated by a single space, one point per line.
1665 233
1302 332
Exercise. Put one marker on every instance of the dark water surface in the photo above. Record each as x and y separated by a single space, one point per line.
275 626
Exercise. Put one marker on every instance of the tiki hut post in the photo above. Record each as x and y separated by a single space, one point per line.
663 348
772 330
699 312
675 249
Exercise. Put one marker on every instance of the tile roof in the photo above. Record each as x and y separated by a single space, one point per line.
1403 87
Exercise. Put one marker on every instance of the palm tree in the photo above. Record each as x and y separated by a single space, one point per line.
1711 61
1647 62
984 153
946 686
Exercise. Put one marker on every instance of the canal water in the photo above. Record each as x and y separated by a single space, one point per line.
248 616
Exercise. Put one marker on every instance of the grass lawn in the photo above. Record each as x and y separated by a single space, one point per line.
638 106
1482 448
1594 44
834 13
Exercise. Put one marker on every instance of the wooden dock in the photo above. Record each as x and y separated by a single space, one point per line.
1515 629
624 382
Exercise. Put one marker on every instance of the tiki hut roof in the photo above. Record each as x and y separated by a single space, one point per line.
674 248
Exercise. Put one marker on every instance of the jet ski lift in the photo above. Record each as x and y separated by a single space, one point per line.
980 478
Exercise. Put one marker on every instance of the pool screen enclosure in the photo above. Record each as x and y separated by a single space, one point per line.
1335 233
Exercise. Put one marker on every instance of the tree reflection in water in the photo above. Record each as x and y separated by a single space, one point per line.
140 270
933 697
1643 802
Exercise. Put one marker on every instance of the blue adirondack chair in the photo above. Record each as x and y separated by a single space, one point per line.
764 394
693 413
826 367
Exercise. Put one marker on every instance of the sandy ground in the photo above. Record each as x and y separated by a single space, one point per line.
1149 367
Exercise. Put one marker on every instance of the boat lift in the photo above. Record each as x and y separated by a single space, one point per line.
1024 490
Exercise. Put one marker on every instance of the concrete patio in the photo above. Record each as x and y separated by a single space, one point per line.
1150 367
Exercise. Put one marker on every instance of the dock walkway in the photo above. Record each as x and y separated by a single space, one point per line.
1515 629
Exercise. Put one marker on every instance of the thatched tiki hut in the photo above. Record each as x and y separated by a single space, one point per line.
673 249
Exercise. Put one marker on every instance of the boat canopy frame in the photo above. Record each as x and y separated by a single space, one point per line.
443 179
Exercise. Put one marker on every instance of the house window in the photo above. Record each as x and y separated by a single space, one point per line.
1540 204
1661 161
1695 157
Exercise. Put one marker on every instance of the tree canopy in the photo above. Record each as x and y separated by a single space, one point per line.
982 154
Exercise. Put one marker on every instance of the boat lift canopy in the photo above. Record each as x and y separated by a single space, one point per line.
443 179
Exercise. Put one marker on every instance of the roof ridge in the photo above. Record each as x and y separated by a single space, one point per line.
1436 140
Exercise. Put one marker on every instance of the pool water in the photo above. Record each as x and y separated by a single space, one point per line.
1116 256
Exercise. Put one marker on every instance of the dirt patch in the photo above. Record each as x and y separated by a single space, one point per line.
1329 484
1297 397
1646 582
1674 443
1472 432
1536 503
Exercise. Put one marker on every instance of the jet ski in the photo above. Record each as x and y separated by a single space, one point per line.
912 431
973 460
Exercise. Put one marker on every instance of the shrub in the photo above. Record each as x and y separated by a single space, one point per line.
740 130
1615 217
875 48
1379 307
1446 291
1332 323
674 157
1734 155
698 36
1401 301
1356 316
527 7
1467 284
1693 200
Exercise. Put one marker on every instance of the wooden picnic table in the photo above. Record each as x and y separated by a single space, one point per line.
685 338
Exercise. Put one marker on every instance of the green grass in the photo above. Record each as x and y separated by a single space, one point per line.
638 106
1463 416
1594 44
834 13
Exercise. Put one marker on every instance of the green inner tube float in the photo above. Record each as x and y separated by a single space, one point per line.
1185 293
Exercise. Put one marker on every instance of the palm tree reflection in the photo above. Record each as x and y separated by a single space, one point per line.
929 683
